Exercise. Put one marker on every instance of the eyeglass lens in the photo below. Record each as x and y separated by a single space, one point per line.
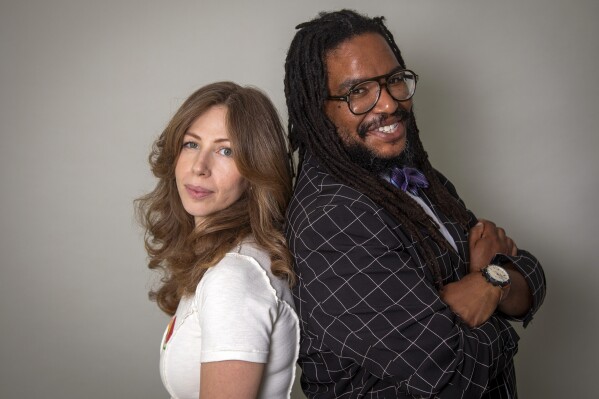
364 96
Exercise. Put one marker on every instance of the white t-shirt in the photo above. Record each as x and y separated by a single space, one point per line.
240 311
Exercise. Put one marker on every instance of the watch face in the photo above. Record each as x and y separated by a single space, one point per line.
497 274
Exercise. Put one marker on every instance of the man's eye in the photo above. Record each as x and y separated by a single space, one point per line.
396 80
226 151
359 91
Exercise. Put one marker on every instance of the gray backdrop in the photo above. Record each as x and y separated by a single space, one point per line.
507 108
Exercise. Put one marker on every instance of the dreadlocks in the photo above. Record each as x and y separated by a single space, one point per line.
311 131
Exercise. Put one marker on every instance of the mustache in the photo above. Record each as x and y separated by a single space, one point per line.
401 114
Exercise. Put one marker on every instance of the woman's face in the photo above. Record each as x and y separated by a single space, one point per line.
207 177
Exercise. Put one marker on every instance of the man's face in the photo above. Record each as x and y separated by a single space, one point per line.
382 131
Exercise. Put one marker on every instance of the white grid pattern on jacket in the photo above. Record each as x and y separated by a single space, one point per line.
372 322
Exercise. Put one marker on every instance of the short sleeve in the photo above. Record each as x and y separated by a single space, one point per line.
236 310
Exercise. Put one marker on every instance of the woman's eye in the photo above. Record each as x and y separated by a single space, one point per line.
226 151
190 144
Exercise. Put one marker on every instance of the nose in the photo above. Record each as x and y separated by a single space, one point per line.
201 164
386 104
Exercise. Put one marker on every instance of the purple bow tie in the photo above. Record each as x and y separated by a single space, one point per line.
408 179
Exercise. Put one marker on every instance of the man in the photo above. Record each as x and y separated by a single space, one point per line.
395 290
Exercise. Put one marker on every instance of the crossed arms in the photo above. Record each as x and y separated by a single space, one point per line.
365 295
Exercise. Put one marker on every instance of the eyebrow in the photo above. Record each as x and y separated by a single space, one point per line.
348 83
200 139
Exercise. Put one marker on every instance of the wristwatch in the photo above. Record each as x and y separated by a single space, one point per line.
496 275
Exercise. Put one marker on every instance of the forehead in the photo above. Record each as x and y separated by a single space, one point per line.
358 58
211 122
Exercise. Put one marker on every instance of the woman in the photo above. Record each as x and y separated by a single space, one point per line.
213 227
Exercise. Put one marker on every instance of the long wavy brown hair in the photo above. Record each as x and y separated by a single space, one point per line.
183 251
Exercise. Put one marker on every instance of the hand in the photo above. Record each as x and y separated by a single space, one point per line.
485 241
473 299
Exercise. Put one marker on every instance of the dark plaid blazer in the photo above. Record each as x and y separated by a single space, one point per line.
372 323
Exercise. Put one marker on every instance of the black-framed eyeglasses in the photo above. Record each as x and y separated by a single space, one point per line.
363 96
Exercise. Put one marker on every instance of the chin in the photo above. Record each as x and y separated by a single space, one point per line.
390 152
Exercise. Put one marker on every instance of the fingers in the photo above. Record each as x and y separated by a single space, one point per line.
476 233
489 226
509 245
501 233
486 233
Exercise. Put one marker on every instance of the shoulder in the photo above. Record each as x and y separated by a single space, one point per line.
317 191
447 183
244 272
235 272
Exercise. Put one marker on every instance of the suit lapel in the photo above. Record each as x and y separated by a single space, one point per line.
458 261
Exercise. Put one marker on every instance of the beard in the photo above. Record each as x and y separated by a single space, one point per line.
365 158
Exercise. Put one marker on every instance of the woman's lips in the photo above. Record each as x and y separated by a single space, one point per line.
197 192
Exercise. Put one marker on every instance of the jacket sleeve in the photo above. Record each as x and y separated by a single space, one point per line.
524 262
533 273
370 301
